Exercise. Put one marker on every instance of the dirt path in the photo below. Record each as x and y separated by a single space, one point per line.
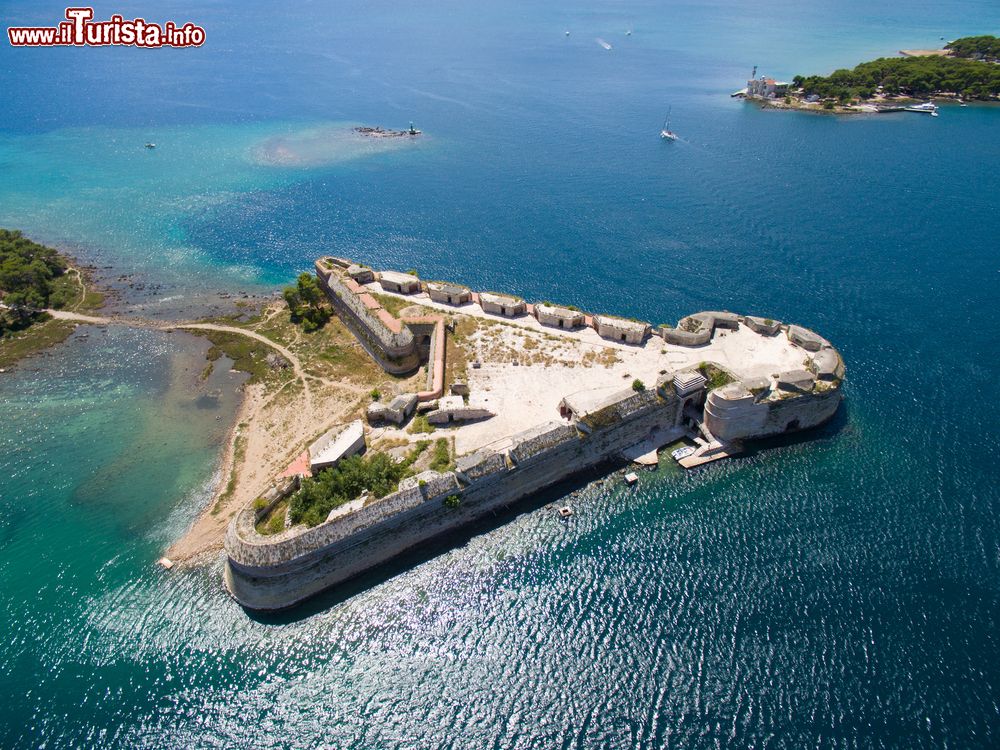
296 365
169 326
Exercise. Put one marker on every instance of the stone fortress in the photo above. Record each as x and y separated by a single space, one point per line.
716 379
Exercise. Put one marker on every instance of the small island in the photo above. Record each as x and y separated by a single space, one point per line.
966 69
379 132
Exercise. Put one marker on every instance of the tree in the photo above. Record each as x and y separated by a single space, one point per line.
27 272
306 303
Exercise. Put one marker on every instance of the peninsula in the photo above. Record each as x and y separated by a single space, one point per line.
383 410
34 278
966 69
486 399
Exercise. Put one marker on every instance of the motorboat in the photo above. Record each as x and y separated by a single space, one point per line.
684 452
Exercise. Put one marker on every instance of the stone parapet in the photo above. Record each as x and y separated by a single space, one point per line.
277 572
395 350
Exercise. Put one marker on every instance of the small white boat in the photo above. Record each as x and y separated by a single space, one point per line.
666 133
927 108
150 145
565 511
631 478
684 452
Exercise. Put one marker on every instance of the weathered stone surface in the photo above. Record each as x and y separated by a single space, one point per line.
805 338
395 350
796 380
617 408
477 466
697 329
762 325
733 412
396 411
361 274
621 329
828 364
530 443
449 294
454 409
558 317
401 283
502 304
337 444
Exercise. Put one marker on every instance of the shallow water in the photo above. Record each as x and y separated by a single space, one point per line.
840 591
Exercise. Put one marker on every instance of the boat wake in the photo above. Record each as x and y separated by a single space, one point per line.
603 43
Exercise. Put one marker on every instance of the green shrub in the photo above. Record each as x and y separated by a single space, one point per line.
376 394
638 386
715 376
331 488
452 501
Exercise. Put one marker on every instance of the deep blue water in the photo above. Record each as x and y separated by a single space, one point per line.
842 591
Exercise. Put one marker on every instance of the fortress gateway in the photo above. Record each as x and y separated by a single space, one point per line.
716 379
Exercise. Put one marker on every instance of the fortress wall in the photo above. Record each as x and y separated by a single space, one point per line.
395 352
269 573
807 411
742 418
733 419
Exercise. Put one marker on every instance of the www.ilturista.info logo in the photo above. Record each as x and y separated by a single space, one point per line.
80 30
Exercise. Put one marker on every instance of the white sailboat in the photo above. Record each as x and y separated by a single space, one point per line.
667 134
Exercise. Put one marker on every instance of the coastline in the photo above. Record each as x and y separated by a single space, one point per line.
49 331
963 71
189 548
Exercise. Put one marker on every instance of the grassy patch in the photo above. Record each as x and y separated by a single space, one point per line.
14 346
273 522
248 355
715 376
391 304
239 453
456 359
420 426
441 460
606 357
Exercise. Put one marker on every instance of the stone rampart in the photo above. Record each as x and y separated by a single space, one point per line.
747 410
697 329
277 572
395 350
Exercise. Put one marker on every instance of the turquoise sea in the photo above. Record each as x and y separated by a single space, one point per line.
840 591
